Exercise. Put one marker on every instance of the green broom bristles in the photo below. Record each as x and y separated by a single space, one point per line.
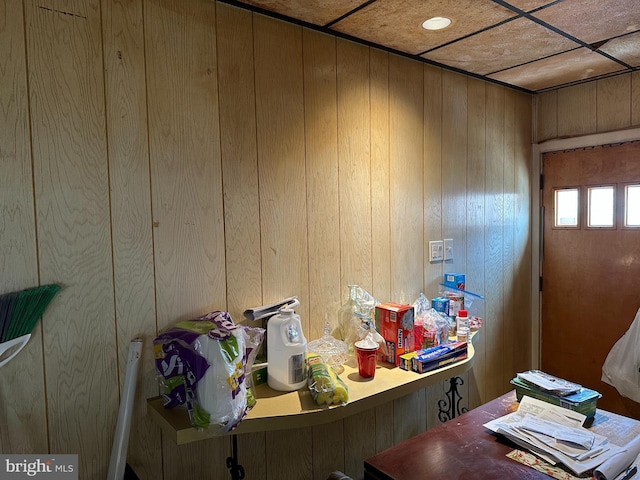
7 304
20 311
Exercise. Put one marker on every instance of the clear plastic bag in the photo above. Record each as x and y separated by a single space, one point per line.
621 369
431 328
203 364
358 307
326 387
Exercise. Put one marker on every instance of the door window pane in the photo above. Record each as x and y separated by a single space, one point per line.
601 213
632 206
566 207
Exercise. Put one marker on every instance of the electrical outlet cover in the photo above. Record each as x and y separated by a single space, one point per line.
448 249
436 251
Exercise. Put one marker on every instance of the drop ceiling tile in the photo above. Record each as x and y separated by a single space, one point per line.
568 67
593 20
316 12
626 49
501 47
397 24
528 5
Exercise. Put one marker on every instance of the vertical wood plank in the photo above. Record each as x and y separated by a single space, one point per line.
635 99
522 258
289 454
613 107
182 92
185 159
475 251
281 162
238 149
384 416
380 175
432 203
328 449
510 350
323 196
205 459
380 211
406 111
577 110
494 238
432 173
72 211
454 178
239 155
283 207
359 443
126 110
546 115
410 416
354 160
354 164
454 166
22 406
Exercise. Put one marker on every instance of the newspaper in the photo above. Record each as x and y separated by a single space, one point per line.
555 434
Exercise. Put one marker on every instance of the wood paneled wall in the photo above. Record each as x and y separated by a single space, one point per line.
165 158
600 106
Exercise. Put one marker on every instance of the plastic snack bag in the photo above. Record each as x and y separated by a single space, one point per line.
325 386
201 364
431 328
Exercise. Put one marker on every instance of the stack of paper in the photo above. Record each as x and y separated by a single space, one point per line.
556 435
549 383
557 391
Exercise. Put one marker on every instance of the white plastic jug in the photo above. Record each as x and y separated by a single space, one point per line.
286 348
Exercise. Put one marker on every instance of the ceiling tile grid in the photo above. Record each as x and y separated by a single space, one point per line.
500 48
532 45
315 12
397 24
593 20
565 68
625 48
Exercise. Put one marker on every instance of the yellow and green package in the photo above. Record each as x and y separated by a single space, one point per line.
325 386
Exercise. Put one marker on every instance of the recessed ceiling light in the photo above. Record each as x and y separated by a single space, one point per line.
436 23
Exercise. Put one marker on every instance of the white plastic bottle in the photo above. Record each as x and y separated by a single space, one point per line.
286 348
462 326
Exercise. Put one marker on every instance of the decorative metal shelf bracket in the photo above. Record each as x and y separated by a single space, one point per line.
449 407
236 471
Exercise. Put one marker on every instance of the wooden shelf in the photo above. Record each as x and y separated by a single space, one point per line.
284 410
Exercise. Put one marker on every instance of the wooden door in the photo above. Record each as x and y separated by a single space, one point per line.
590 276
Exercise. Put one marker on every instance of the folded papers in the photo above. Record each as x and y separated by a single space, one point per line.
556 435
619 463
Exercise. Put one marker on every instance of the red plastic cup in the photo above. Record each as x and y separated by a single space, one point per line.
366 361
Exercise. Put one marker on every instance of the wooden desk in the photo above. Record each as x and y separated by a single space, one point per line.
462 448
285 410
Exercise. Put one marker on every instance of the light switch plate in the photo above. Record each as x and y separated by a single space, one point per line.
448 249
436 251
